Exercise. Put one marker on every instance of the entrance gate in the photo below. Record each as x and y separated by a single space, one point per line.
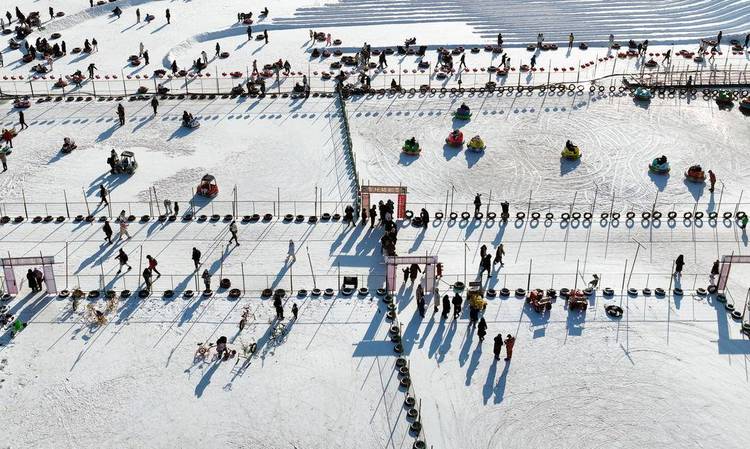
726 266
46 262
429 272
366 191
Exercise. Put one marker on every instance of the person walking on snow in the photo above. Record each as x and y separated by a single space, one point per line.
206 276
204 55
497 347
290 253
747 40
145 57
446 307
477 203
121 114
103 194
218 49
233 231
107 231
420 300
295 310
137 15
462 61
482 251
152 263
167 207
176 210
414 271
154 103
533 61
457 304
373 215
124 229
382 63
510 341
499 253
714 271
4 160
481 329
122 258
711 180
570 40
667 56
249 32
169 16
140 49
196 256
678 264
148 278
22 120
611 40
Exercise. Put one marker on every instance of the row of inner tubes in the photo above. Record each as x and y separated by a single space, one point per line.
566 216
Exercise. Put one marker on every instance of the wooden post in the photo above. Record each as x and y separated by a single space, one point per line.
67 209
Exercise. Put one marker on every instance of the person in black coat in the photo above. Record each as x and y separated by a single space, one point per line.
446 306
32 280
414 271
497 347
481 329
154 103
457 303
678 264
196 256
107 231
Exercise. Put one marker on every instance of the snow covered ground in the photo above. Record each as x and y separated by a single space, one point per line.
242 143
525 133
671 372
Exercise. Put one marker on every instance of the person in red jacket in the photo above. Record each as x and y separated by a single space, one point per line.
711 180
510 341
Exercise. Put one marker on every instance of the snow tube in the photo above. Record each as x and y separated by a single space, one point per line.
724 97
573 154
614 310
462 114
695 176
411 149
191 124
658 168
642 94
745 104
476 144
455 140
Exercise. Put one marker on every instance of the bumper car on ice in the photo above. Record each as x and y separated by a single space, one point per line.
642 94
21 103
695 174
455 138
571 152
745 105
659 165
411 147
476 144
462 113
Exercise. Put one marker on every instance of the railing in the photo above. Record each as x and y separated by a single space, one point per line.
251 285
605 69
279 208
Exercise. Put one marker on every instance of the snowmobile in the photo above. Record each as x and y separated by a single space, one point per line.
462 113
642 94
455 138
571 152
659 165
695 174
411 147
208 186
476 144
